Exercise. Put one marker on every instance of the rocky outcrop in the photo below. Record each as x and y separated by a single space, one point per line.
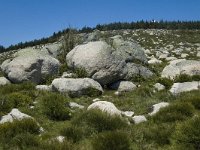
105 106
29 65
105 63
181 66
77 87
185 87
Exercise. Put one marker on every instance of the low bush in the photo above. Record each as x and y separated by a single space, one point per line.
187 78
10 88
99 121
166 82
19 99
111 140
55 106
12 129
74 133
5 105
187 135
81 72
158 133
175 112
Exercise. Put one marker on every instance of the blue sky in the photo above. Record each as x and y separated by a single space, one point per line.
24 20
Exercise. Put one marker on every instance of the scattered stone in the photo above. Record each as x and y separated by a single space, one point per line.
77 87
159 87
184 55
105 106
68 75
15 114
75 105
123 86
154 61
157 107
185 87
4 81
60 139
139 119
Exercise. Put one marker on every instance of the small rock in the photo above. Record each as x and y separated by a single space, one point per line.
75 105
15 114
184 55
105 106
139 119
157 107
4 81
67 75
159 87
123 86
60 139
154 61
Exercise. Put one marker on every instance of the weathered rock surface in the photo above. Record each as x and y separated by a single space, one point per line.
15 114
181 66
105 63
75 105
123 86
76 87
185 87
29 65
4 81
157 107
105 106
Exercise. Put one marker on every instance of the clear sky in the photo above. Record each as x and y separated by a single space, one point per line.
24 20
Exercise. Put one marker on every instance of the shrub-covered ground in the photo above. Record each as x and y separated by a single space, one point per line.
172 128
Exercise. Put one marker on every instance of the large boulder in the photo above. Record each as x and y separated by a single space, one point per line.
181 66
77 87
105 106
29 65
105 63
185 87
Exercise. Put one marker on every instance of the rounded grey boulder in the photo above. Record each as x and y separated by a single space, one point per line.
76 87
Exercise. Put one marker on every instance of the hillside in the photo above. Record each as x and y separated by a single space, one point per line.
128 89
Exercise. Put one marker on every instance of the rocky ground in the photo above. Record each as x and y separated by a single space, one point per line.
127 89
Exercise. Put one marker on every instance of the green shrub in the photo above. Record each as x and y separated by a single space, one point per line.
183 78
81 72
10 88
12 129
174 112
187 134
97 121
5 105
158 133
19 99
54 106
166 82
63 68
24 141
111 140
73 132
